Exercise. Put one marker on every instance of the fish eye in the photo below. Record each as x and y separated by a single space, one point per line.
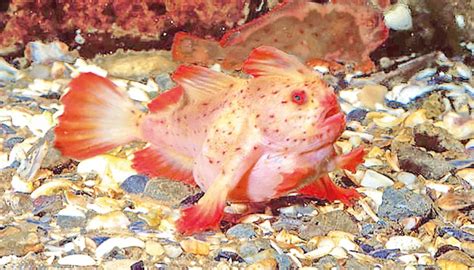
298 97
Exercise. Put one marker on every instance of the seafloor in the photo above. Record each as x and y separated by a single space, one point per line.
413 115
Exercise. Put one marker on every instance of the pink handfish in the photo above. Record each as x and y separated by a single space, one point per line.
239 140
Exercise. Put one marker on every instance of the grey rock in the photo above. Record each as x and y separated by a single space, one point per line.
135 184
168 191
10 142
322 224
417 161
402 203
284 262
242 231
70 221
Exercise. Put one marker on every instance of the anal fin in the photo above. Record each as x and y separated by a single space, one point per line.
324 188
153 162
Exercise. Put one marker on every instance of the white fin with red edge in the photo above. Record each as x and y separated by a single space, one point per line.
168 164
269 61
97 118
201 84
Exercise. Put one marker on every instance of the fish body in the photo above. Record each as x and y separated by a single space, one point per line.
239 140
344 31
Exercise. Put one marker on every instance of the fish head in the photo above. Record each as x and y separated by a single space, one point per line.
302 115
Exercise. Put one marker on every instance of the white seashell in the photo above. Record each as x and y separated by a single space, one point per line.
443 188
41 123
109 221
468 175
71 211
384 120
407 259
82 66
425 73
463 71
372 162
19 185
375 180
416 118
404 243
324 247
398 17
405 94
112 170
77 260
338 253
4 160
117 242
154 248
51 188
173 251
138 94
460 20
373 194
406 178
8 73
460 128
450 87
104 205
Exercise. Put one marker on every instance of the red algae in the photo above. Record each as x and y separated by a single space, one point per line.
345 32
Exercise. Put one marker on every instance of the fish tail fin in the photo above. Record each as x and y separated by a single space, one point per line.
97 118
191 49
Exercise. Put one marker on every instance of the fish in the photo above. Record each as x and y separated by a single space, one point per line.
344 31
240 139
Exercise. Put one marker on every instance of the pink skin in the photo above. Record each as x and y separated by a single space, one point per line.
245 140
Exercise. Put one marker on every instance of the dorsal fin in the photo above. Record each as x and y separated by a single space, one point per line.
269 61
201 83
165 99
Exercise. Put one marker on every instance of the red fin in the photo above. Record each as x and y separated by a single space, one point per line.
202 83
269 61
325 189
165 99
207 213
351 160
97 118
155 163
292 180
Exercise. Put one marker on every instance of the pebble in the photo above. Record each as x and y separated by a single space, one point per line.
10 142
284 262
463 71
228 256
371 95
70 217
406 178
77 260
194 246
398 17
417 161
398 204
241 231
6 129
117 242
173 251
45 53
403 243
375 180
109 221
154 248
425 73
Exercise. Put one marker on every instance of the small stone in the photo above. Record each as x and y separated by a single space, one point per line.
173 251
6 129
10 142
194 246
228 256
406 178
324 223
109 221
463 71
135 184
241 231
404 243
375 180
451 265
70 217
398 17
402 203
416 161
154 248
172 192
371 95
356 115
436 139
284 262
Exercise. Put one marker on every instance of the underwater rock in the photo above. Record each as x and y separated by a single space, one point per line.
436 139
398 17
293 26
46 53
136 65
402 203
